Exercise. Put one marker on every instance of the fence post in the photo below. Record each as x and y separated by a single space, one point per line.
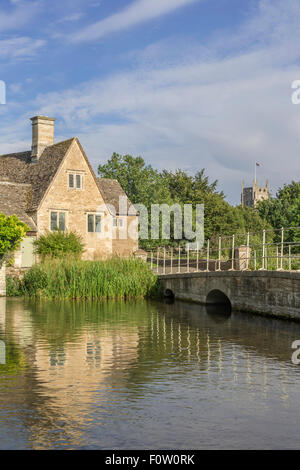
277 260
232 253
219 255
188 258
151 260
164 270
290 259
207 256
197 263
282 249
172 260
263 251
157 259
179 259
255 266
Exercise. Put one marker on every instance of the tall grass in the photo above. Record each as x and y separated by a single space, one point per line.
76 279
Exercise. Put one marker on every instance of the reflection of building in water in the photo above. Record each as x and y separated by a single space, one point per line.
66 371
69 366
69 373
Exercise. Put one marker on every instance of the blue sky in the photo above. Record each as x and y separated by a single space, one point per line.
183 83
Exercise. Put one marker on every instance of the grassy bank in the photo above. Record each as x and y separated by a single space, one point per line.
76 279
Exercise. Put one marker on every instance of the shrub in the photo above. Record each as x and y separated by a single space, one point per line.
34 281
58 244
14 287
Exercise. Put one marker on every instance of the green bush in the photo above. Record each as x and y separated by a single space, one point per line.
34 281
76 279
14 287
57 244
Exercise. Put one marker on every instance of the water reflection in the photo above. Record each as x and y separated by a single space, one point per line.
144 375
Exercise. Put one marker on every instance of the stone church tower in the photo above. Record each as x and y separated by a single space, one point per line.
252 195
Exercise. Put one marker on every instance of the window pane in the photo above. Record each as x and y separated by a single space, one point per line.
115 222
98 223
78 181
120 222
62 221
71 181
53 223
91 220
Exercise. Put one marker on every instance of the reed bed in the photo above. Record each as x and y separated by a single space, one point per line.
75 279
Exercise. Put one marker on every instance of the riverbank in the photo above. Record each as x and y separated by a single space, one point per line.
76 279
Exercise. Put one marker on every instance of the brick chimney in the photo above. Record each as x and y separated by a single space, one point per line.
42 135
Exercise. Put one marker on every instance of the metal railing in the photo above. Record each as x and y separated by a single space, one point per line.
277 250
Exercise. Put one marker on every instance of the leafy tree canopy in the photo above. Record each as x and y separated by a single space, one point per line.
284 210
145 185
12 231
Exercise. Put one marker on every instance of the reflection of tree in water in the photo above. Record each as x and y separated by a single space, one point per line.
79 354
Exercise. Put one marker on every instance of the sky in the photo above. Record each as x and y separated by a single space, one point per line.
187 84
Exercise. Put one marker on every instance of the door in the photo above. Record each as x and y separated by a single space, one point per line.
27 249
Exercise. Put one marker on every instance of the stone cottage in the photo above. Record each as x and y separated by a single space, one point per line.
53 186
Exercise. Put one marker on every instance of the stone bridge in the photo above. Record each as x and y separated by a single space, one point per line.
274 293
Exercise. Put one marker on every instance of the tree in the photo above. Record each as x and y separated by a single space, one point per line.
147 186
142 184
284 211
12 231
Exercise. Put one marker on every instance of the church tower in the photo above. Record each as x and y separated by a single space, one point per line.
254 194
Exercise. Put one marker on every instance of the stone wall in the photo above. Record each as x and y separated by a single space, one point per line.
264 292
125 239
76 203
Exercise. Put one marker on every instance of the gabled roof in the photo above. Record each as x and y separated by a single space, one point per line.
41 174
23 184
18 168
14 199
112 191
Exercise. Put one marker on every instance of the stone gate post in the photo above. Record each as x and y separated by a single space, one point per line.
240 258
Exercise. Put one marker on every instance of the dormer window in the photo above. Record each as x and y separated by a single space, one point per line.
75 180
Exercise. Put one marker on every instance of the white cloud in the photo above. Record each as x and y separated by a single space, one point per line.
22 13
137 12
72 17
221 112
19 48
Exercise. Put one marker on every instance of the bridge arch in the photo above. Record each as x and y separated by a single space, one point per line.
169 294
217 297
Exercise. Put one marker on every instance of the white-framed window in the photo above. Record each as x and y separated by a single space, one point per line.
120 222
94 223
115 222
75 180
57 220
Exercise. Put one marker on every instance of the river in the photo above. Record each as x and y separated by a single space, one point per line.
145 375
